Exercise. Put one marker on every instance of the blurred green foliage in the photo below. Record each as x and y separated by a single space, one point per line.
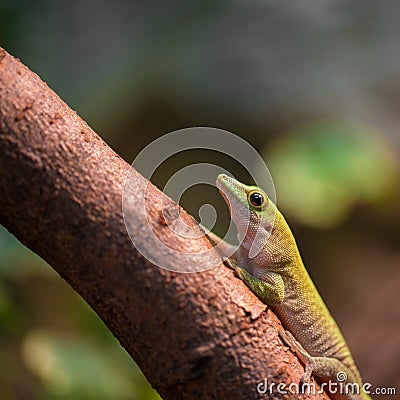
325 169
78 367
59 352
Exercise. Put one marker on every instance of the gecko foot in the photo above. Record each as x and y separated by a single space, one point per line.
234 265
304 357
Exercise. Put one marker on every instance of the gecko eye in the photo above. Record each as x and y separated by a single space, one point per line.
256 199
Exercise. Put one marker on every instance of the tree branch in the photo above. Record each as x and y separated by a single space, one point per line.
200 335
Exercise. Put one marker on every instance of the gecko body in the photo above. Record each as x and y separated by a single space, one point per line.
269 262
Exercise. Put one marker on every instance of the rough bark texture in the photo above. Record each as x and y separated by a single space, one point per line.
195 336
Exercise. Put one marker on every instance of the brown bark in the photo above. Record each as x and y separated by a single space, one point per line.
195 336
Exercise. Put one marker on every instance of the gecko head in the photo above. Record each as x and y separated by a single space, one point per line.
251 210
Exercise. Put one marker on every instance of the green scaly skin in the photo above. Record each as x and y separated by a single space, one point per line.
269 262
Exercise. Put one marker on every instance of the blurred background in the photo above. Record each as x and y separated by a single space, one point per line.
314 86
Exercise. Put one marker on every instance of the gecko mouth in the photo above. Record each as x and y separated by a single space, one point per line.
227 184
224 185
232 192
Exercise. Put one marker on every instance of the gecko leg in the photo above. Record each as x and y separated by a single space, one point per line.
224 248
326 368
270 289
305 358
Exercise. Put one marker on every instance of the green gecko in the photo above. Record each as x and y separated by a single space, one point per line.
269 262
